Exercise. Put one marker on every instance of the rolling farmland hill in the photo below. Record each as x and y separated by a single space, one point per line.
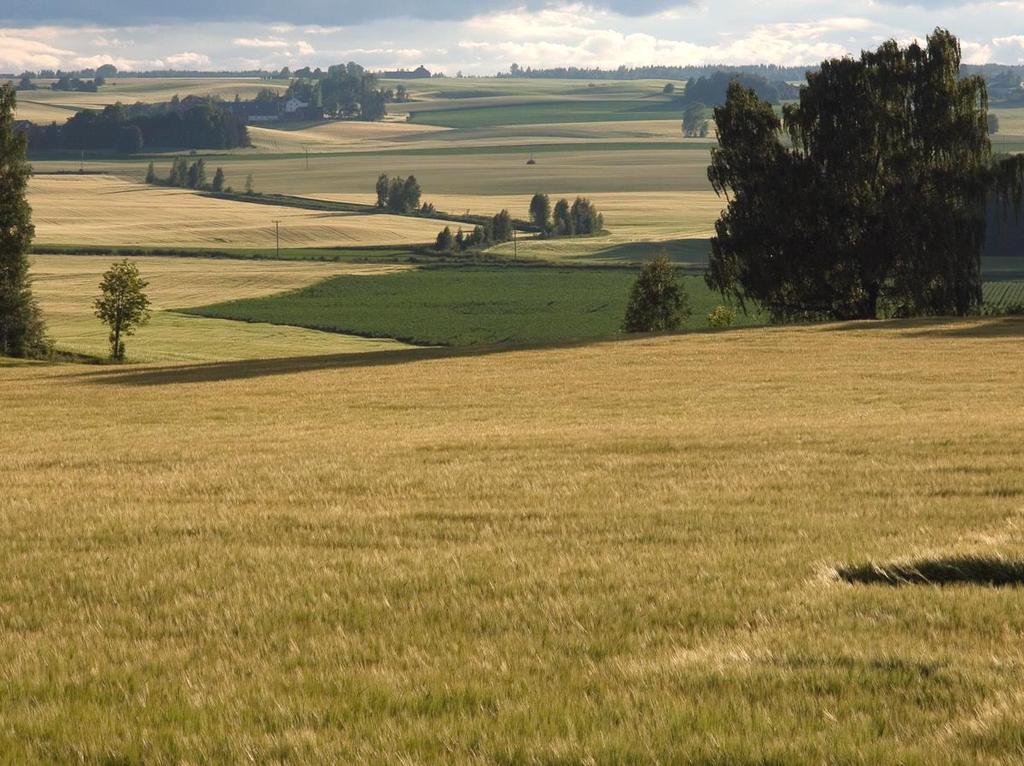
614 552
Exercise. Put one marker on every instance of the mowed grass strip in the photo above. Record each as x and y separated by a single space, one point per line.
464 306
612 553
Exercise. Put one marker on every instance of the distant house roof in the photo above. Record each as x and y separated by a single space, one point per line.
419 73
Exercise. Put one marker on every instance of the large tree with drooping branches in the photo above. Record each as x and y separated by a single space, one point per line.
875 205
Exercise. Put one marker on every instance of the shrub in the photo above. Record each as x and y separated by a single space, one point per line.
657 301
722 316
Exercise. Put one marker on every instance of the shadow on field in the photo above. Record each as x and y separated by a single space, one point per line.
690 253
991 571
1000 327
977 327
212 372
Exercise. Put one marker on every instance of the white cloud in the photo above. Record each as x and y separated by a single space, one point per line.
18 52
124 64
187 59
259 42
975 53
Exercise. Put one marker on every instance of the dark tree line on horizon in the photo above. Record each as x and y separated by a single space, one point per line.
192 123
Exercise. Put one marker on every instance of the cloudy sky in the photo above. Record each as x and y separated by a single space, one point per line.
482 36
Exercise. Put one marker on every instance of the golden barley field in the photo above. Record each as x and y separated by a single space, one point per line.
613 553
395 134
105 210
637 223
67 285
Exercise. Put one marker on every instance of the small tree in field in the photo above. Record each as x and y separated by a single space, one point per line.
151 174
123 304
657 302
218 180
694 120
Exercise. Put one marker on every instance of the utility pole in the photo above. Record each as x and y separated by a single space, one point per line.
277 230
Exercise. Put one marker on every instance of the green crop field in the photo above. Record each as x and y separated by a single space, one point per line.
464 306
1002 295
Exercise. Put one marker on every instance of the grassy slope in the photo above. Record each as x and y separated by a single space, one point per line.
612 553
464 306
548 112
103 210
67 285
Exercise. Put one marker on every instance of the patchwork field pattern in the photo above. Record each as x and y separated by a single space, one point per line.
104 210
67 285
467 306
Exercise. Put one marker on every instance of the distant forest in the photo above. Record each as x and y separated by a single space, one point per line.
770 72
767 71
192 123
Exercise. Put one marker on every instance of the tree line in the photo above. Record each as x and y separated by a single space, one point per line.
400 195
565 220
192 176
497 230
194 123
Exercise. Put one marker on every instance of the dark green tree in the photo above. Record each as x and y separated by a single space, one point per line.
383 190
445 241
22 332
129 139
562 224
585 218
657 302
411 194
218 180
877 202
993 124
151 174
197 175
540 212
501 227
694 119
179 172
122 305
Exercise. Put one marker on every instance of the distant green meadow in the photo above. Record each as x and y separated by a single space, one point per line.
549 112
466 306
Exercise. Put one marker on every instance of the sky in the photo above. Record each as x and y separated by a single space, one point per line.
483 36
